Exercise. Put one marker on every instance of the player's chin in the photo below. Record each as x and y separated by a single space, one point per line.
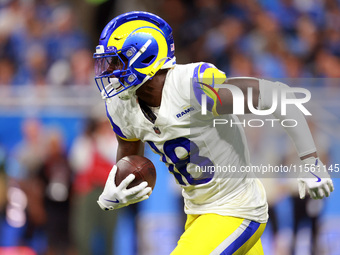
140 91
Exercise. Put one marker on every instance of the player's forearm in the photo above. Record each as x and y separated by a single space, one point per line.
127 148
300 133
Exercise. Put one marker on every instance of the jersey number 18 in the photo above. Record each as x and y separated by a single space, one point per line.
181 164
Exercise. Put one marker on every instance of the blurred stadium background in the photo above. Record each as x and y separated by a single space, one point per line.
54 137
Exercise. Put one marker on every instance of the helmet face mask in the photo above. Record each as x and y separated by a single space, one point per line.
132 48
107 64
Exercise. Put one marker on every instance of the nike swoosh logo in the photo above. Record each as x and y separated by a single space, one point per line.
319 179
112 201
316 163
119 38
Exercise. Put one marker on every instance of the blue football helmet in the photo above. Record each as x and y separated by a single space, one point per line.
132 48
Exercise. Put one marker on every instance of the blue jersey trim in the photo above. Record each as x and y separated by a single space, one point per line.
115 128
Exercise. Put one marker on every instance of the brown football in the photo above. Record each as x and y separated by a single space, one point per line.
141 167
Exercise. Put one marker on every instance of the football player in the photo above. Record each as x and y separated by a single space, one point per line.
149 98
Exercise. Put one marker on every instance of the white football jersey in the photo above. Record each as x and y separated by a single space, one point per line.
198 154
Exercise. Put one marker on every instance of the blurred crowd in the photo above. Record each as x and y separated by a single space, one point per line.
51 42
40 44
48 193
44 186
264 38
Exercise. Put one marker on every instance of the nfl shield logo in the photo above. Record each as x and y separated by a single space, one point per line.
157 131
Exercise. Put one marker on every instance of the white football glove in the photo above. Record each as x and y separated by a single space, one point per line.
316 178
114 197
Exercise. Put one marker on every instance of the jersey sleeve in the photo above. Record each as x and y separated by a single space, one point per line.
204 80
118 126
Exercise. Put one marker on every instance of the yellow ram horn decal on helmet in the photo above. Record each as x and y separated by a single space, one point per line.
162 51
120 34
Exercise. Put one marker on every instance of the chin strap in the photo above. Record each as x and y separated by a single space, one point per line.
130 92
171 63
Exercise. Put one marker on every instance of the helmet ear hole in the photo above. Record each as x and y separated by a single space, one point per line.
148 60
